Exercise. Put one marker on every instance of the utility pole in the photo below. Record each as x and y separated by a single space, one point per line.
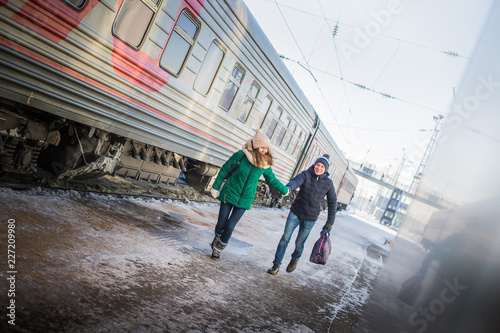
423 163
420 170
400 168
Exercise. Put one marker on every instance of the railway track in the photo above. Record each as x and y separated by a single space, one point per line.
115 186
107 185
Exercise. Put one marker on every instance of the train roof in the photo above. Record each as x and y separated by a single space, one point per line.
245 17
330 139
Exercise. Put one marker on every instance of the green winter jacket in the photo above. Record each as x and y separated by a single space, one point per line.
240 189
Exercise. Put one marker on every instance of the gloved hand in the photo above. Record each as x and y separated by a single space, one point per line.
328 227
214 193
287 192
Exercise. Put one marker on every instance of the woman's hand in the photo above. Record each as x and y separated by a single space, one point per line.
214 193
289 190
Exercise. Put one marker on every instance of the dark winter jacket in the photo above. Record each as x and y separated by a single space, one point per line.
313 188
240 189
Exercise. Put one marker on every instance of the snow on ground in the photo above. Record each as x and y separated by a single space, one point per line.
96 263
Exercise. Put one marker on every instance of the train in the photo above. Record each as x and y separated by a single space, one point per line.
150 89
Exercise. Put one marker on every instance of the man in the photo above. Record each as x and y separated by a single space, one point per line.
314 184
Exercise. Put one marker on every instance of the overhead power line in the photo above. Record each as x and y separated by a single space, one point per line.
335 30
452 54
389 130
308 67
364 87
334 34
297 62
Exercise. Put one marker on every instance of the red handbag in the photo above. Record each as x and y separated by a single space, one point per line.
322 249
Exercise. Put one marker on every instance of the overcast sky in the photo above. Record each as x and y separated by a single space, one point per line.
390 68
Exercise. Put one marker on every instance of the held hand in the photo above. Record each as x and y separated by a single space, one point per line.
288 191
214 193
328 227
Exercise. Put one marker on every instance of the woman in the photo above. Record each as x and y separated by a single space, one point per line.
242 171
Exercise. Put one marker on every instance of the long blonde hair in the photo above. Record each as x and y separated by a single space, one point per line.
262 160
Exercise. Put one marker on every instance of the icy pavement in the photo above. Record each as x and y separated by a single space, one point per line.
101 264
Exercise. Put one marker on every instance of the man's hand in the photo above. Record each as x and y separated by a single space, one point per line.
328 227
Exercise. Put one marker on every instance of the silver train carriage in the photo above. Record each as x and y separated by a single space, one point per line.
150 89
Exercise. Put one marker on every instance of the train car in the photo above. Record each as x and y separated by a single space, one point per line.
149 89
343 176
443 270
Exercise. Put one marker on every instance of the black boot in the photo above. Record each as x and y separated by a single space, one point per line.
292 265
274 270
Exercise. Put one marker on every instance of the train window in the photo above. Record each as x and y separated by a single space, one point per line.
292 133
231 88
249 102
274 122
315 155
209 68
284 128
266 106
76 4
179 44
133 20
311 156
299 143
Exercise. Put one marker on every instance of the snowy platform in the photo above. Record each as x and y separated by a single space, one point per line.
96 263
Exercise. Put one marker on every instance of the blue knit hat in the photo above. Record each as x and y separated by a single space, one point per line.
325 160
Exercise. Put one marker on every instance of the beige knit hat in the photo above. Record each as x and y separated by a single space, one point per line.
260 140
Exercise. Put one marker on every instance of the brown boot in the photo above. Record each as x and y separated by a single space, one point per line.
217 247
274 270
216 239
292 265
215 255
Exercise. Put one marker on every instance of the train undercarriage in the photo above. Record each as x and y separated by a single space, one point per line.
32 139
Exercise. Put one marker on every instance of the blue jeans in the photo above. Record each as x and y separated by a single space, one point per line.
227 220
305 228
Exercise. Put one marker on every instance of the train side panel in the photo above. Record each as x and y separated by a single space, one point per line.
118 99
